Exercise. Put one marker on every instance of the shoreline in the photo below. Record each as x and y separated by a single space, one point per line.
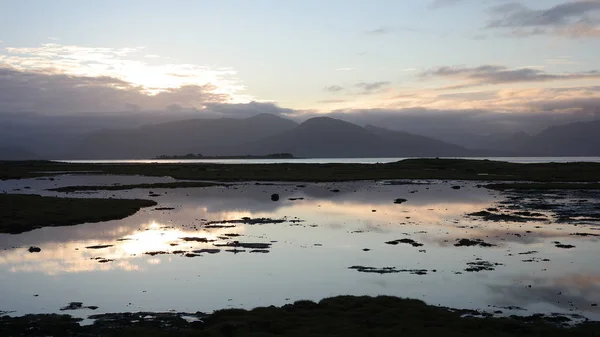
335 316
440 169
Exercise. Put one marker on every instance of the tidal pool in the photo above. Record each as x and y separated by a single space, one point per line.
203 249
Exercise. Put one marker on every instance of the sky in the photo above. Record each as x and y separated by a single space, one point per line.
483 58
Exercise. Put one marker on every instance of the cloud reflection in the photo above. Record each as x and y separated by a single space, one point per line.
74 257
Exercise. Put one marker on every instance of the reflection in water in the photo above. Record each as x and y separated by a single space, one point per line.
76 256
565 293
334 226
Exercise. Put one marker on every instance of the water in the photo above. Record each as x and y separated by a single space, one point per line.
523 160
321 236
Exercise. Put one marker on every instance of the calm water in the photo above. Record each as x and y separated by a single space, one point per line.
332 160
312 248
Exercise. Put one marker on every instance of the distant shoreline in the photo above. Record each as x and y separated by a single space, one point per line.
199 156
304 170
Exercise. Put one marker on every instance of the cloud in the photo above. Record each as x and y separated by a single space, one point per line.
334 88
573 291
127 64
26 91
575 19
384 30
496 74
247 109
344 69
372 87
329 101
379 31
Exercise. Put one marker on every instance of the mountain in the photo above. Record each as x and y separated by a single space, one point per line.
575 139
14 153
317 137
328 137
205 136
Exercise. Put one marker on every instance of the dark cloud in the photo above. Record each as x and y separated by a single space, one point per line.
517 15
573 19
22 91
334 88
368 88
494 74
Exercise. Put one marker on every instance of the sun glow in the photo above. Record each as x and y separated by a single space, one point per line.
152 75
74 257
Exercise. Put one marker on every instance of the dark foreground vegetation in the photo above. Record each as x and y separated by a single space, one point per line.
459 169
338 316
23 212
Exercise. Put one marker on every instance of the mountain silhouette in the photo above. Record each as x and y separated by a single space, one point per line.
574 139
16 153
205 136
328 137
317 137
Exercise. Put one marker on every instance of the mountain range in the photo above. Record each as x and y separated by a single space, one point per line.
317 137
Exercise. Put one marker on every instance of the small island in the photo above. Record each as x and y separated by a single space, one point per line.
200 156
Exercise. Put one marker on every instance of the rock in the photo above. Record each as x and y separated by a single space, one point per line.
98 246
195 239
560 245
477 266
246 245
400 201
77 306
207 250
155 253
469 243
407 241
388 270
34 249
456 187
274 197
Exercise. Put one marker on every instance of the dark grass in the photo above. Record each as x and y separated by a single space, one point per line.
459 169
179 184
22 212
338 316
